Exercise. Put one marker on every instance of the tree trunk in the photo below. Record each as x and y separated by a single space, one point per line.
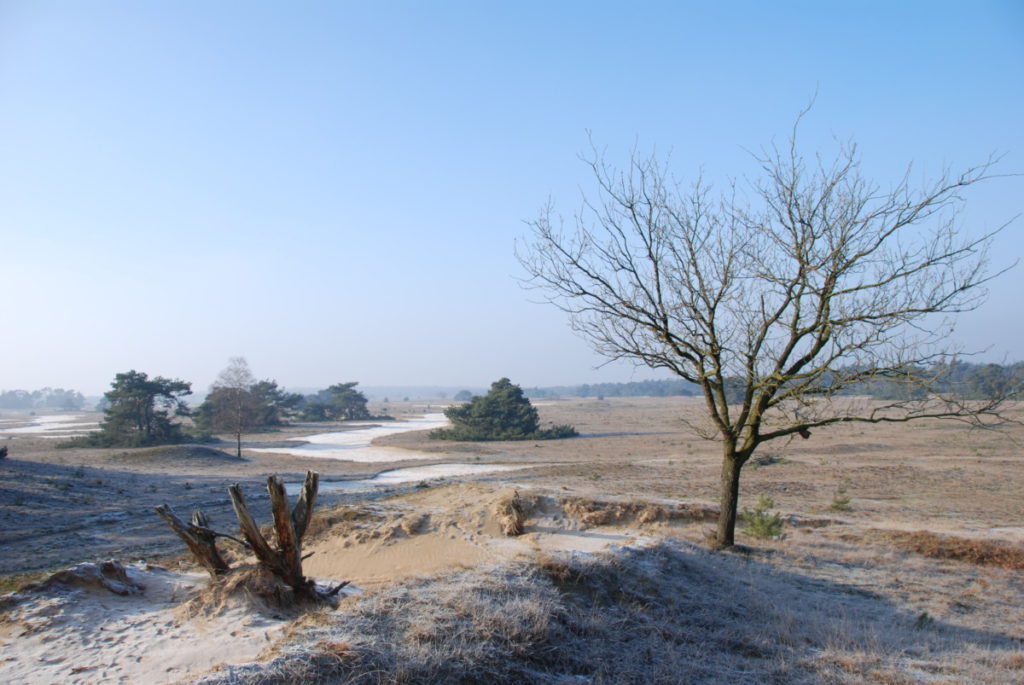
199 538
303 511
238 420
286 561
729 500
289 544
250 530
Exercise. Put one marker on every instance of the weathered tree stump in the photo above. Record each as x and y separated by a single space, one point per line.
283 560
200 539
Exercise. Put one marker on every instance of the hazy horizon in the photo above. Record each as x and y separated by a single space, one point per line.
333 191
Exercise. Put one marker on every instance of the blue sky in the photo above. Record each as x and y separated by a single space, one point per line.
333 190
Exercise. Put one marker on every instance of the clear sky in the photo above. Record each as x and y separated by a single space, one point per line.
333 189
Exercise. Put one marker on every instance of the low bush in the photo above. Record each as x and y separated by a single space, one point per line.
840 500
504 413
761 523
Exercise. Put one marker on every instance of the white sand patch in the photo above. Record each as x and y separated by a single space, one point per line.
55 436
57 426
1013 533
410 475
354 445
550 539
79 635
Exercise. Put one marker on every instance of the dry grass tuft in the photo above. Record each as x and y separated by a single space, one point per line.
558 569
972 551
511 514
591 512
251 587
1013 662
341 650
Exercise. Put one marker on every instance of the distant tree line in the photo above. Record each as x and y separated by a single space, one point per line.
971 381
47 398
663 388
965 379
141 411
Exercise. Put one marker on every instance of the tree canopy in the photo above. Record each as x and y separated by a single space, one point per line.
238 402
339 402
504 413
141 411
776 295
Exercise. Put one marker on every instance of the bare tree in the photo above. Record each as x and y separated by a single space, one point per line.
775 296
234 407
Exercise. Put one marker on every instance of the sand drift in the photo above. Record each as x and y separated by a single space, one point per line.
354 445
394 477
56 426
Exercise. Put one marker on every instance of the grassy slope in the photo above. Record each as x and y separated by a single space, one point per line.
667 613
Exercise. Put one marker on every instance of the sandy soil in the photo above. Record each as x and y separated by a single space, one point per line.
89 634
635 475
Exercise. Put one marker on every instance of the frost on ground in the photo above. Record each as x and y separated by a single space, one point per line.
592 591
108 623
669 612
918 580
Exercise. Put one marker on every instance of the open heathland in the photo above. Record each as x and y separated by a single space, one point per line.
915 578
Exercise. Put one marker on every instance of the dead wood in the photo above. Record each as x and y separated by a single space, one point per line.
201 541
282 559
303 511
250 531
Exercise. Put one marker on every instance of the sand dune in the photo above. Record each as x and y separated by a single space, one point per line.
83 632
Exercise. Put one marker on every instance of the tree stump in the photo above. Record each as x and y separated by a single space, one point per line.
283 560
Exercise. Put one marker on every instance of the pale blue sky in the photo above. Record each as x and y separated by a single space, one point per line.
332 190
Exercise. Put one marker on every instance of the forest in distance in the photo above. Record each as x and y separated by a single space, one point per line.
971 380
